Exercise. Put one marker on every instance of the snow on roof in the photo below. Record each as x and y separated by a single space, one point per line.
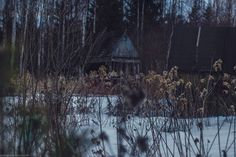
114 45
124 48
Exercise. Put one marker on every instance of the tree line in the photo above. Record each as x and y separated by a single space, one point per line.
59 35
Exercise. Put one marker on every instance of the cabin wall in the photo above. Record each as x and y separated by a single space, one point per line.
214 43
183 48
1 36
126 68
153 47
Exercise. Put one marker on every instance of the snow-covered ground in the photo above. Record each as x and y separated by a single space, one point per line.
172 137
210 137
218 132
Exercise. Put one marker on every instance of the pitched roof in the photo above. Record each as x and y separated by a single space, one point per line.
124 48
114 46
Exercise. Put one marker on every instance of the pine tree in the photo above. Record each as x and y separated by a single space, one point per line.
208 16
195 17
109 15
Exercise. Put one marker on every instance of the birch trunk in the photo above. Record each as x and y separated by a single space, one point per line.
169 46
84 21
13 38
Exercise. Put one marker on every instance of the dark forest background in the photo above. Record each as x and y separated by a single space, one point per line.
59 35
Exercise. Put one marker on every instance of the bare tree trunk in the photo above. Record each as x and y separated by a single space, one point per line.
63 37
94 17
142 25
22 70
13 39
142 22
41 44
169 46
197 46
85 21
138 22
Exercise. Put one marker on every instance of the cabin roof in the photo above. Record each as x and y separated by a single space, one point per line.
124 47
114 46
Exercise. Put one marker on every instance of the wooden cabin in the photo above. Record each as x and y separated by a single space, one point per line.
117 53
1 36
195 49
